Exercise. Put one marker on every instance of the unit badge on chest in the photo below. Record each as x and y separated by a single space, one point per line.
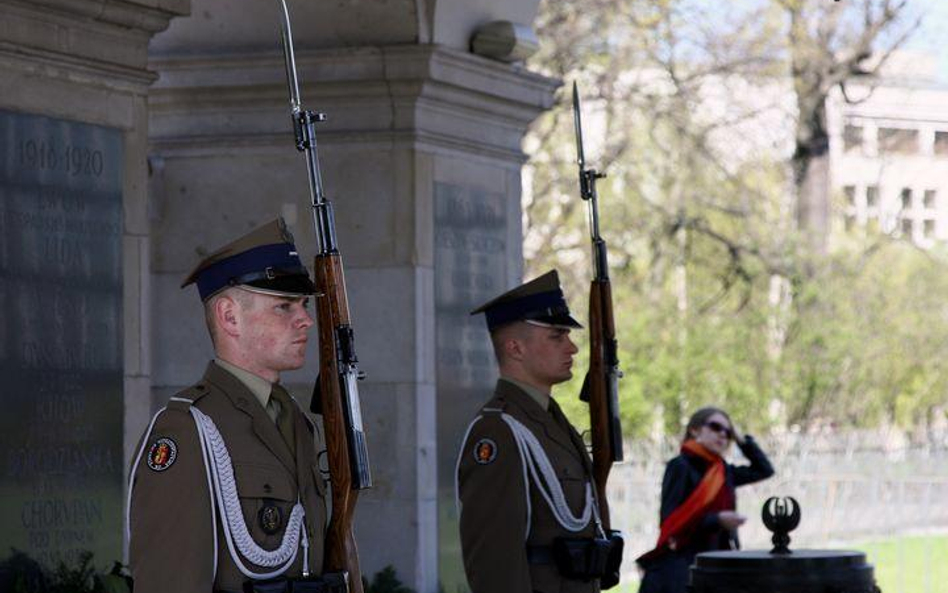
162 454
271 518
485 451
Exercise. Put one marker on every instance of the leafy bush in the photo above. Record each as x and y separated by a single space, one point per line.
21 574
386 581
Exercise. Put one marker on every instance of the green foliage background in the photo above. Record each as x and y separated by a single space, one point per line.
717 301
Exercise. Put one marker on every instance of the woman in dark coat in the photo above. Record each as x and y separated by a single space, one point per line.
698 500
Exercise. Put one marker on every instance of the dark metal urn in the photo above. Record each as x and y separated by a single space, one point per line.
782 570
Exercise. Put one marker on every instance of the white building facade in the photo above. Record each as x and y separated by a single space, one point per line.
889 154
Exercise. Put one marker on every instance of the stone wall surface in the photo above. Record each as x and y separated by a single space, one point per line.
420 155
81 66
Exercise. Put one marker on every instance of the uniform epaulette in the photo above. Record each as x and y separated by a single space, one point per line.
184 399
495 408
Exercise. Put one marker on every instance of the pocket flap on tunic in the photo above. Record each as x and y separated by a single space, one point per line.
320 481
569 472
573 480
264 481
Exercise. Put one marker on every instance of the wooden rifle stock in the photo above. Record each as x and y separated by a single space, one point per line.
600 388
332 312
597 389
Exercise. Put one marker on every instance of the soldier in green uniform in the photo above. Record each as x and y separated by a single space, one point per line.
524 477
226 489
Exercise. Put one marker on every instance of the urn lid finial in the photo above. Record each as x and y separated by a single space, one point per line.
781 516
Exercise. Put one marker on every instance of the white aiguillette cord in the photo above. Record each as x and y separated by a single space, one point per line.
221 472
535 461
534 458
220 482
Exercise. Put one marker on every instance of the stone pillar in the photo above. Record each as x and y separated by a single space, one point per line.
421 157
75 265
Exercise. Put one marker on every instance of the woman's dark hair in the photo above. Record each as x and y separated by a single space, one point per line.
699 418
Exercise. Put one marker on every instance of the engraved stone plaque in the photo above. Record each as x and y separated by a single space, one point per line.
471 265
60 339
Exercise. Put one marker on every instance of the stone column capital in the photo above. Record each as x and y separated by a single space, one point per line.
150 16
85 40
428 94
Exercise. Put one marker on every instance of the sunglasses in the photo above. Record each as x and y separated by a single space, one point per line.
718 427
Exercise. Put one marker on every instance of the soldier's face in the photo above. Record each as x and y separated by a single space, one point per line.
274 332
548 354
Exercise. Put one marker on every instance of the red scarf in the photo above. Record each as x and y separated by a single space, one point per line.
709 496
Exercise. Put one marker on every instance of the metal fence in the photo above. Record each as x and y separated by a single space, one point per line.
851 486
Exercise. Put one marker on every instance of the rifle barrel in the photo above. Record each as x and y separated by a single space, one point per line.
304 128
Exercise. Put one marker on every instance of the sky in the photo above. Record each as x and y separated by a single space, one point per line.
932 33
931 36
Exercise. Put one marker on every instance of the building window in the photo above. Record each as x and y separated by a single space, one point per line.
852 137
850 192
930 198
906 198
872 196
930 228
941 143
898 140
906 227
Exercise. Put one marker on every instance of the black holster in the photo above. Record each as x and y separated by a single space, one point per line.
610 578
587 558
333 582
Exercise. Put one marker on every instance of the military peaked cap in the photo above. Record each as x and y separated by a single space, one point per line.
539 301
264 260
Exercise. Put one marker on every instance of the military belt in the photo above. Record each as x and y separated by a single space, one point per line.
540 554
582 558
333 582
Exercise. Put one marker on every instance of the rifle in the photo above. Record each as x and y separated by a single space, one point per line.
601 386
337 400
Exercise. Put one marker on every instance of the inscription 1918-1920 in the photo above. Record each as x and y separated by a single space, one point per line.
60 338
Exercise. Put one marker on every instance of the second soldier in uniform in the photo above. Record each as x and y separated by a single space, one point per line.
524 477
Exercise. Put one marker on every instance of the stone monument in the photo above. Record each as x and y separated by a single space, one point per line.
73 267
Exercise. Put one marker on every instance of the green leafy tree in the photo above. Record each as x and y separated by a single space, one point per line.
718 298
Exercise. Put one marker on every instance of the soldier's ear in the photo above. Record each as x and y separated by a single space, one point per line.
513 348
227 315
